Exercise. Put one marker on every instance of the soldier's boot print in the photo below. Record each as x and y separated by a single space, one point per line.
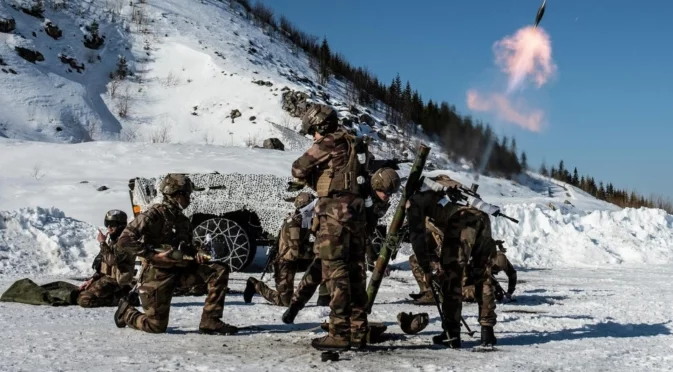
250 290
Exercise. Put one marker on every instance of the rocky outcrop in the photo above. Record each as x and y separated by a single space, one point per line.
295 103
29 55
7 24
273 144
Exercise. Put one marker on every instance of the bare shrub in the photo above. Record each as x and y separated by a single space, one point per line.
113 87
37 172
171 79
92 130
161 134
124 102
252 140
129 133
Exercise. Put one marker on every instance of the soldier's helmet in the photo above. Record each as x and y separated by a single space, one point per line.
319 118
115 217
412 324
386 180
303 199
174 183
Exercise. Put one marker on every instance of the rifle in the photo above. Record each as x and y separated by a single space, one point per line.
470 197
436 289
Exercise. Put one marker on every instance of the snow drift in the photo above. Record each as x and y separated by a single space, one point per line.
44 241
551 238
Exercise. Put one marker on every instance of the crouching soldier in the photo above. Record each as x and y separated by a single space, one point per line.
164 226
114 270
293 248
466 232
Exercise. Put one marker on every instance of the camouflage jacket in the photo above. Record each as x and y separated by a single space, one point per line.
161 224
436 207
327 153
503 264
116 264
294 241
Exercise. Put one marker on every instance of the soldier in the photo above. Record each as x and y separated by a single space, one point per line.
293 246
114 272
164 226
335 167
501 264
466 233
378 190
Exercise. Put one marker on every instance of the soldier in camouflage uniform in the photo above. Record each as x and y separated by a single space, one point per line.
114 272
335 167
164 226
383 183
434 241
293 246
467 246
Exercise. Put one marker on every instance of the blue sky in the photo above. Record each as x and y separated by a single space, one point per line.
609 109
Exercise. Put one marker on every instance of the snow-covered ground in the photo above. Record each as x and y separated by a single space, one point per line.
593 294
564 320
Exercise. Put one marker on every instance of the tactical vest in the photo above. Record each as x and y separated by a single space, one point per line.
345 170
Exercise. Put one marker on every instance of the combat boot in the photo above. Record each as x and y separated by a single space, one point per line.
358 340
487 336
332 343
291 313
453 341
425 299
122 307
323 300
250 290
216 326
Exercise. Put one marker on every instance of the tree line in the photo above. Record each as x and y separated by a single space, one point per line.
459 135
607 191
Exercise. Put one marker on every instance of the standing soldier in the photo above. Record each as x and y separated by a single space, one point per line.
293 246
466 246
114 271
335 167
164 226
382 185
434 240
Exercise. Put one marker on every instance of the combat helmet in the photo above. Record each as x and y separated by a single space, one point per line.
115 217
319 118
386 180
303 199
174 183
412 324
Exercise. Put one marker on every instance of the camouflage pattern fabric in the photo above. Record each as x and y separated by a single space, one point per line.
114 280
308 284
156 291
340 245
165 224
103 292
466 238
503 264
284 276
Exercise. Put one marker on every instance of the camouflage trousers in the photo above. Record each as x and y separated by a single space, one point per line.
341 248
103 292
284 276
156 291
309 283
468 240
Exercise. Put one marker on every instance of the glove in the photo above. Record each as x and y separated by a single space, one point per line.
202 256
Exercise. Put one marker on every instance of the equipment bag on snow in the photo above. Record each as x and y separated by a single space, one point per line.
28 292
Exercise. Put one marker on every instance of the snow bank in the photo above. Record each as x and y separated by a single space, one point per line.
44 241
566 237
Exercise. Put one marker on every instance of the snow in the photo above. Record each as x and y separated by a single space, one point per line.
587 267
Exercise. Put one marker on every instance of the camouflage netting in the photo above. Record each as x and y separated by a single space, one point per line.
263 194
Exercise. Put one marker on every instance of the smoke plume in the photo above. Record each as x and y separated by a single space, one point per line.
525 57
